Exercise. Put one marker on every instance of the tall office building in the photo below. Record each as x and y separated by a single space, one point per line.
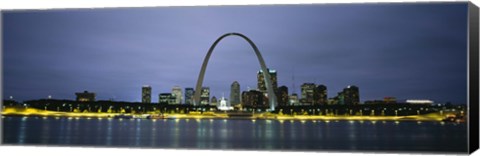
282 95
205 96
351 95
261 80
177 91
320 95
254 98
189 92
235 93
146 94
308 90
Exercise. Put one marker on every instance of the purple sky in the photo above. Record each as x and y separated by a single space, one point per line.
409 51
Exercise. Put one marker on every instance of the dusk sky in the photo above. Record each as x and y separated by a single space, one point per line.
408 51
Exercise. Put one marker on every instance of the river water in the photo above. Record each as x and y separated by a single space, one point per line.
284 135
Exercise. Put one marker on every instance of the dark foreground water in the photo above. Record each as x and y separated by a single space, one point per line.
237 134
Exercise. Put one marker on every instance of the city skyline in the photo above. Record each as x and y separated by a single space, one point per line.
113 52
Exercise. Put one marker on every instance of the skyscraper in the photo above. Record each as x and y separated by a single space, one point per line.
282 95
189 92
320 95
146 94
261 80
308 90
351 95
205 96
254 98
235 93
177 91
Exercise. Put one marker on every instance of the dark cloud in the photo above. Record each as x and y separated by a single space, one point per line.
402 50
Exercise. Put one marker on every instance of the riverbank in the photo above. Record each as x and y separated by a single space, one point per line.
212 115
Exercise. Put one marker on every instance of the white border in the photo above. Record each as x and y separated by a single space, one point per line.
49 4
82 151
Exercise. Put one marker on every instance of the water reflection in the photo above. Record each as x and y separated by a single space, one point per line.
238 134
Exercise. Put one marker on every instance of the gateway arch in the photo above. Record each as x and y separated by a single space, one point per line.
271 95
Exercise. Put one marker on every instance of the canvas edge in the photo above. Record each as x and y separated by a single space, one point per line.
473 71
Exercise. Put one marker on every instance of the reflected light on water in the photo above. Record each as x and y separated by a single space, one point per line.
109 132
23 127
224 133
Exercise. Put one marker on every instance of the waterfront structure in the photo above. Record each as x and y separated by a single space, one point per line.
254 98
320 95
85 96
261 80
293 99
205 96
167 98
146 94
189 96
308 90
213 101
390 100
282 95
419 101
271 94
177 92
235 93
351 95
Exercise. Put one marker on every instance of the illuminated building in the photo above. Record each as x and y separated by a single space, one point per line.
235 93
85 96
293 99
189 92
390 100
177 92
339 99
205 96
282 96
320 95
351 95
308 90
146 94
213 102
167 98
223 106
254 98
261 80
425 102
